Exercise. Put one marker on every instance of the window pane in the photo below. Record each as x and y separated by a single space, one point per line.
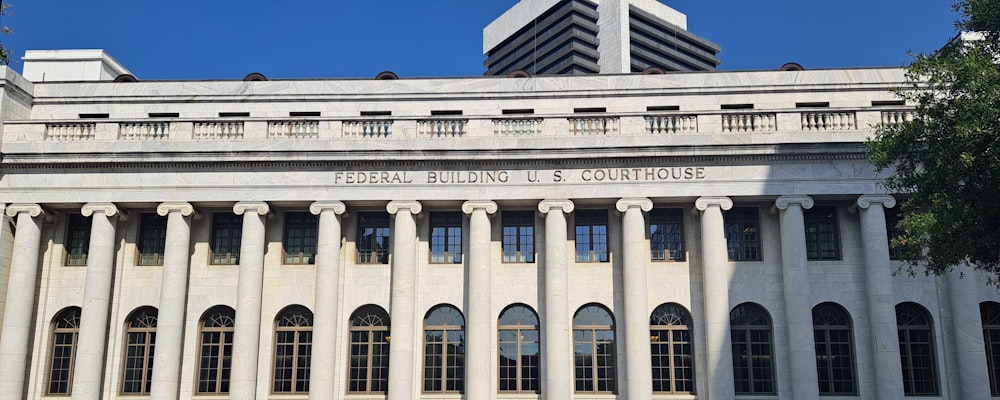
227 231
742 226
152 239
300 238
373 238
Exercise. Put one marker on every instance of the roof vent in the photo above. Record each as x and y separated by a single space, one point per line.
653 71
125 78
386 76
519 74
254 77
791 67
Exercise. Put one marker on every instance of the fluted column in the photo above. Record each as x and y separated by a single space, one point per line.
321 386
798 310
715 287
16 340
880 299
557 332
635 262
91 352
402 305
173 298
967 332
246 333
478 346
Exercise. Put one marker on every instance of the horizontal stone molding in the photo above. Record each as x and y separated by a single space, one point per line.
318 207
186 209
108 209
702 203
783 202
259 207
885 200
565 205
643 203
414 207
32 209
471 205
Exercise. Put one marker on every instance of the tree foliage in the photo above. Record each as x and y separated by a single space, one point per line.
947 159
4 31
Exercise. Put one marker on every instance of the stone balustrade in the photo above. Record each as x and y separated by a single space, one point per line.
157 130
593 126
380 128
70 131
749 122
663 124
517 126
293 129
897 117
442 127
828 121
222 130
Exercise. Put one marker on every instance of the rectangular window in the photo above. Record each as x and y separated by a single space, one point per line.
592 236
227 230
822 238
77 239
300 238
152 239
446 238
743 233
666 238
373 238
893 231
518 236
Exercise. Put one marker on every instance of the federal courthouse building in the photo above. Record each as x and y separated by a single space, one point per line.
603 215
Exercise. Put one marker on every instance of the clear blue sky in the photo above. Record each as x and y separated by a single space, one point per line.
227 39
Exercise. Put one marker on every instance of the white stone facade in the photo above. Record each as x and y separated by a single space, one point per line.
783 143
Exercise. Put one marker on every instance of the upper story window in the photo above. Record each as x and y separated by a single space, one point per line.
444 350
152 239
446 238
753 350
989 313
140 338
373 238
822 238
893 231
300 238
518 236
215 355
519 352
672 349
62 354
77 239
834 350
916 350
369 349
292 350
592 236
743 233
227 231
594 350
666 234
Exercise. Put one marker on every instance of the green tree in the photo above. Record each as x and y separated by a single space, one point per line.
4 31
947 159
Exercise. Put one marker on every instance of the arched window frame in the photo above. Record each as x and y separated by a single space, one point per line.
594 331
292 350
916 349
672 349
62 351
517 329
444 371
834 342
368 367
989 312
140 338
752 337
215 350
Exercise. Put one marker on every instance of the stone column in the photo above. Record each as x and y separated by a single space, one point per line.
478 346
402 305
173 300
967 333
715 287
91 349
798 307
327 308
17 322
246 332
558 329
880 299
635 262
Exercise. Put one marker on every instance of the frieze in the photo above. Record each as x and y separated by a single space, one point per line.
499 177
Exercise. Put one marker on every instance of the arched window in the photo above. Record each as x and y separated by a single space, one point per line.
834 350
292 350
753 349
990 313
369 371
518 344
65 333
140 335
444 350
916 350
594 350
216 350
671 349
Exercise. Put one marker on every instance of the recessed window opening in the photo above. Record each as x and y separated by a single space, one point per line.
519 111
93 116
813 104
375 113
446 112
663 108
590 110
737 106
877 103
164 115
303 114
234 114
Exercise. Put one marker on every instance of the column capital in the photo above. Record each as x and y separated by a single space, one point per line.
565 205
32 209
782 202
723 202
185 208
108 209
628 202
318 207
885 200
259 207
471 205
413 206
